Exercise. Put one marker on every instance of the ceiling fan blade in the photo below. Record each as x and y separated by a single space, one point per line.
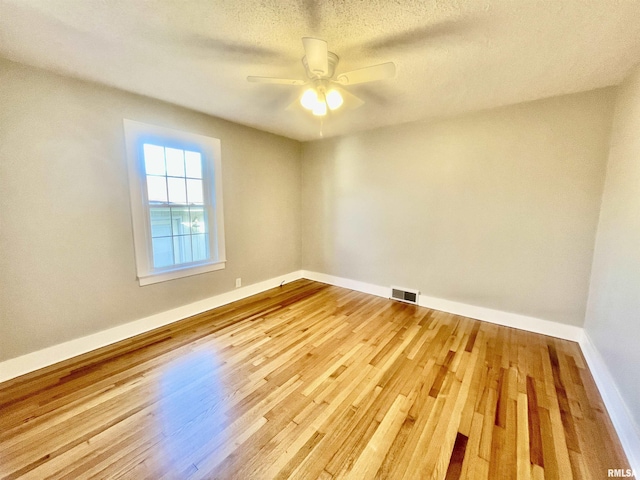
278 81
316 51
294 106
350 100
368 74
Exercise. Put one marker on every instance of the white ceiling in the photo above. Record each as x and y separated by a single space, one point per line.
452 56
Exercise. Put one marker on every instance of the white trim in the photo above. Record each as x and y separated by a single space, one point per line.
30 362
507 319
628 432
42 358
179 273
136 133
363 287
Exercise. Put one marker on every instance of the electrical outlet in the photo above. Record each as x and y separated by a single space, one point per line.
238 282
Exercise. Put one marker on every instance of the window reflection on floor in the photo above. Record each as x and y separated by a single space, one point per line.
190 409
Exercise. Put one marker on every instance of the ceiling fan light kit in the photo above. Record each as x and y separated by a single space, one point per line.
334 99
320 64
320 109
319 99
309 99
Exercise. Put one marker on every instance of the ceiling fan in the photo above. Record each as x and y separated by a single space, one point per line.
325 93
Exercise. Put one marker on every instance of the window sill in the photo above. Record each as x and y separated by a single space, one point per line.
179 273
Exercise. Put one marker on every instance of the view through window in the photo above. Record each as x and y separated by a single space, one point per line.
179 226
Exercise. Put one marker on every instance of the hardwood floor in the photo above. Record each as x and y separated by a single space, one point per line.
313 381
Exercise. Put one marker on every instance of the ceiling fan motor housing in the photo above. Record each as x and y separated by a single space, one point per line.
332 61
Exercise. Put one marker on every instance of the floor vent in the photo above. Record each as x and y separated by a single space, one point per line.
405 295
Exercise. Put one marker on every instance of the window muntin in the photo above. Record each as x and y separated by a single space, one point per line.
178 218
176 193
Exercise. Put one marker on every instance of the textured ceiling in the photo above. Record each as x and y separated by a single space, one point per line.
452 56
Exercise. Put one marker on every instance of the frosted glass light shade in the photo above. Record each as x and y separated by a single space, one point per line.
309 99
320 108
334 99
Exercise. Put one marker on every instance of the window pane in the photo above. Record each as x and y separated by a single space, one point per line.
162 252
153 159
157 189
182 249
177 192
194 164
200 247
180 220
175 162
198 220
194 191
160 222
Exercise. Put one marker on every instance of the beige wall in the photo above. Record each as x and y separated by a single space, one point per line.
66 249
613 314
497 209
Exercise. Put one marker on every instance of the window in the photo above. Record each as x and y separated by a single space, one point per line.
176 202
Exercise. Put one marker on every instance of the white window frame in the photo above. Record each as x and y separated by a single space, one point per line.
137 133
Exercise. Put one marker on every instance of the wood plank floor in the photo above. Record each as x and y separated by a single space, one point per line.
313 381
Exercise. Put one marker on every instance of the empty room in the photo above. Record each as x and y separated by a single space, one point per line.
264 239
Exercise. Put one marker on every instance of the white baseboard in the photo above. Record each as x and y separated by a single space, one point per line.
30 362
356 285
48 356
507 319
627 430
